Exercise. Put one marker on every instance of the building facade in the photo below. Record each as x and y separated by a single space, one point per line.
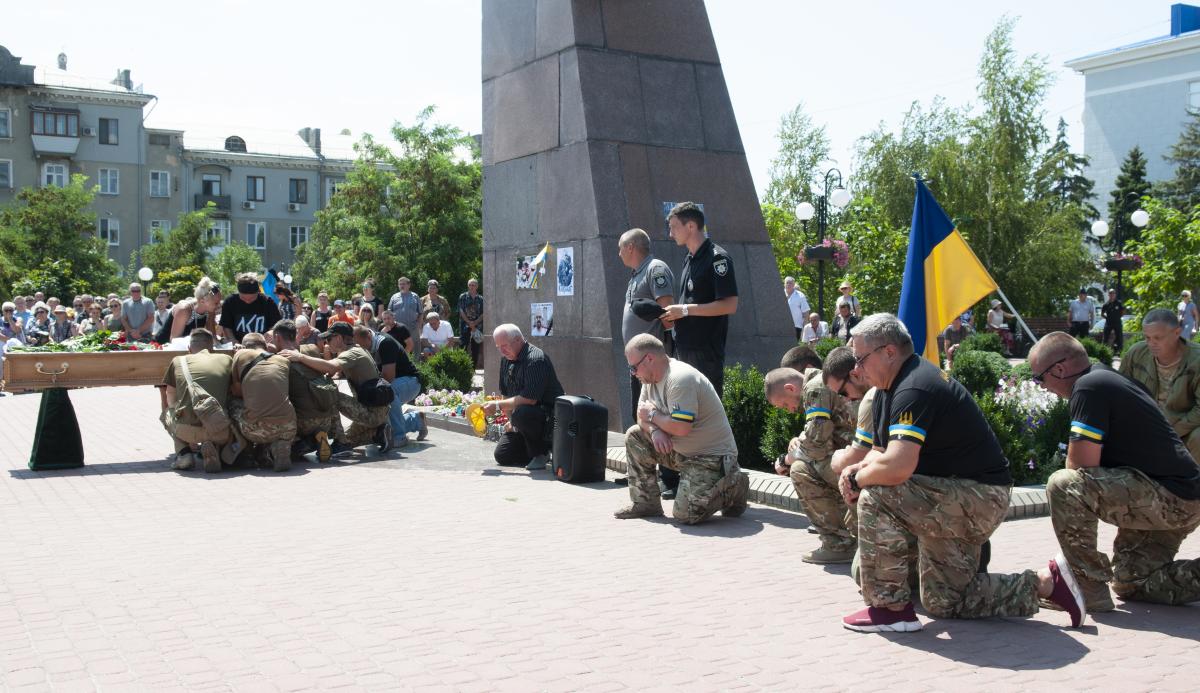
1139 95
54 125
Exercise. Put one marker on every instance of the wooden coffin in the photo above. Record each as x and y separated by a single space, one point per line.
38 371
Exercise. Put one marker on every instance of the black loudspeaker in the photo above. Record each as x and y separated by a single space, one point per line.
580 439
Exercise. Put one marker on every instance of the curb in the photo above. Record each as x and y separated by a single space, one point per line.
777 491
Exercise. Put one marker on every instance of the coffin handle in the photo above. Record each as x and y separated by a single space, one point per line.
53 374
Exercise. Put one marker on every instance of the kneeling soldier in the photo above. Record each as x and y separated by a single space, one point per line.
198 425
314 396
261 411
681 424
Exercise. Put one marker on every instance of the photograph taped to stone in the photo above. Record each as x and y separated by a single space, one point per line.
526 272
541 319
566 272
666 209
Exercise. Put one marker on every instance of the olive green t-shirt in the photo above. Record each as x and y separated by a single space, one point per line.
299 377
265 387
210 371
357 365
686 395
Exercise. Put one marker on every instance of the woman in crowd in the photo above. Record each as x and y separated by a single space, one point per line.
198 311
37 330
113 324
93 323
366 316
62 328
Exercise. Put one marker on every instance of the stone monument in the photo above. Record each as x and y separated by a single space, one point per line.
597 114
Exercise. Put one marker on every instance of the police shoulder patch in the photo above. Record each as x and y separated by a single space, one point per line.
660 279
721 266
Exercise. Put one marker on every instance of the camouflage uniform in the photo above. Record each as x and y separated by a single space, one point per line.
364 420
827 426
184 428
1151 522
950 519
707 483
260 433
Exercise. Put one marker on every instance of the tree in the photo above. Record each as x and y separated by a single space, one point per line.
1129 189
49 233
1183 191
186 245
411 211
233 259
1170 249
802 147
1060 180
877 255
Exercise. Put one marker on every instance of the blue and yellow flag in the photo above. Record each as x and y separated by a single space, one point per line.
942 276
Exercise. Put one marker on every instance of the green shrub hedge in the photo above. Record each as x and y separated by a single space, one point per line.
455 366
747 409
982 341
979 371
826 345
1098 351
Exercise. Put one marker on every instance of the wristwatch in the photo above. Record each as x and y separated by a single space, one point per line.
685 310
853 478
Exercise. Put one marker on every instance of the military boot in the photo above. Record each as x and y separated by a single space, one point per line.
829 556
735 495
281 455
632 511
323 450
212 458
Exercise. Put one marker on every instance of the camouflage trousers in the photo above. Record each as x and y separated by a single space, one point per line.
817 489
258 432
949 519
364 420
1151 523
707 483
184 434
309 425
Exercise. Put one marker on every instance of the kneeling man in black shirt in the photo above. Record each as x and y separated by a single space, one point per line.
936 476
1126 466
529 386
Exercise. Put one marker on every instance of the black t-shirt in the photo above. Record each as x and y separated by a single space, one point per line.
376 304
387 350
320 319
399 333
531 376
925 406
707 276
1112 312
197 320
1118 413
243 318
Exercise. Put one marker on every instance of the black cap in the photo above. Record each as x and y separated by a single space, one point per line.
646 309
342 328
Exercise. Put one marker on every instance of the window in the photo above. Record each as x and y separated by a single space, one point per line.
5 122
108 131
220 230
256 188
109 230
331 187
256 234
298 190
160 139
234 143
299 234
160 184
159 227
211 185
6 173
54 174
110 181
56 123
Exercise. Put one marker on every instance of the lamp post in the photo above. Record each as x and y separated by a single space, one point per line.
1139 218
831 191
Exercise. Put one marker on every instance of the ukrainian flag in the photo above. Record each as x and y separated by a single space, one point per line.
942 276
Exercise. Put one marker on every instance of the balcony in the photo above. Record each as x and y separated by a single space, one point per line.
55 145
222 203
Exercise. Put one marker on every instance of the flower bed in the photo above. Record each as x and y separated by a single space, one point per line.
453 404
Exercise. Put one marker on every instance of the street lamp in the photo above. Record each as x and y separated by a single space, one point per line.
1139 218
830 191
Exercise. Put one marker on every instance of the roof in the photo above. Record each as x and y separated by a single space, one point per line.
54 77
264 141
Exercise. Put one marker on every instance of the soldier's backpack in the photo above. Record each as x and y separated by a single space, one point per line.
375 392
206 407
323 391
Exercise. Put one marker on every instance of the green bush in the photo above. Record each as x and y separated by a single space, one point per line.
1022 371
434 379
826 345
982 341
1031 445
778 430
747 409
979 371
455 365
179 283
1098 351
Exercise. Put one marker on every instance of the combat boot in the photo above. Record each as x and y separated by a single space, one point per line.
184 461
632 511
827 556
212 459
281 455
323 450
736 492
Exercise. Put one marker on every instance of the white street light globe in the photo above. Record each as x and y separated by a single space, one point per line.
1140 218
1099 228
840 197
805 211
287 279
145 274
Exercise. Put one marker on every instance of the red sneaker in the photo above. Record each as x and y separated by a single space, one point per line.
874 620
1066 591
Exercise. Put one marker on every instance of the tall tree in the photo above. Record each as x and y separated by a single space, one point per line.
1170 249
1060 180
413 210
1183 191
802 147
1129 189
186 245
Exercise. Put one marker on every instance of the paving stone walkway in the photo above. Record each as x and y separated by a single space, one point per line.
430 569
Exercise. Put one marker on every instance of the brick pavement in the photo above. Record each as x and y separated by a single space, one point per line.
431 569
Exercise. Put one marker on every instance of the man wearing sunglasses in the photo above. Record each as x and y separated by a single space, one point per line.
936 475
1125 466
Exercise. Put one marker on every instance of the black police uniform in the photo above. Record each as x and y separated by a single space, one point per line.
707 276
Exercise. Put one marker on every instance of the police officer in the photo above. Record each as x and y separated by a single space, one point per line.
653 279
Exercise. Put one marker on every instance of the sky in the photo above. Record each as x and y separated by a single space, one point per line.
268 68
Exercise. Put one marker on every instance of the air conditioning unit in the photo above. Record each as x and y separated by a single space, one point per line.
89 132
293 207
247 205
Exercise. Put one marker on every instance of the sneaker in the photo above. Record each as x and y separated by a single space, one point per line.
424 432
537 463
323 450
212 459
303 446
827 556
1066 593
632 511
281 455
875 620
184 461
383 437
340 450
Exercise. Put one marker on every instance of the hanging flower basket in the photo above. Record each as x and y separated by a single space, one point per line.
832 250
1123 263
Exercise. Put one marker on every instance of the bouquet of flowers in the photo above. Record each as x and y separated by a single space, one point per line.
102 340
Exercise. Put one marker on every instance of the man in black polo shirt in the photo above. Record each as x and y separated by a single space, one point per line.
942 481
1126 466
530 386
249 310
396 368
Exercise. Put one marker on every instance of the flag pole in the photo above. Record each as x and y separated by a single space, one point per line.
1020 321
